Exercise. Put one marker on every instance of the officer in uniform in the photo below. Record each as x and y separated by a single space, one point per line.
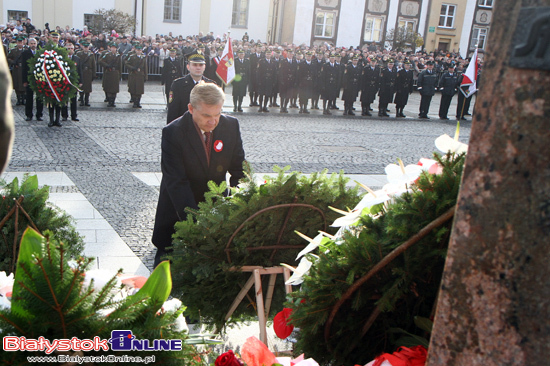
240 82
88 67
101 54
137 75
253 84
178 99
403 88
448 84
64 110
342 69
287 79
267 70
427 82
369 86
171 71
277 60
388 75
329 81
306 74
15 62
112 65
352 84
317 85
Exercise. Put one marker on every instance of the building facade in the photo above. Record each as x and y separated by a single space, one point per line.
447 25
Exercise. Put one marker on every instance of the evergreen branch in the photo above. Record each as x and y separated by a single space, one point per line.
385 261
79 301
61 266
34 294
7 320
22 265
76 274
105 290
58 307
81 318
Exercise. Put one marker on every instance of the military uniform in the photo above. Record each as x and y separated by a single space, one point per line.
242 74
277 60
306 73
267 70
171 71
137 75
387 89
427 82
318 84
403 87
369 87
88 66
287 81
352 84
448 84
329 84
15 62
112 65
253 84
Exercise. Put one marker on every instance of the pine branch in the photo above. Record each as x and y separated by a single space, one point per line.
13 324
58 306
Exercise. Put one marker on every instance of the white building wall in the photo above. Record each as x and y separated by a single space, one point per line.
350 25
190 18
258 19
392 18
467 27
88 7
304 21
423 17
23 5
220 18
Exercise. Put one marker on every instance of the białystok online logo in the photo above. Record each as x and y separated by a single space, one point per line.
121 340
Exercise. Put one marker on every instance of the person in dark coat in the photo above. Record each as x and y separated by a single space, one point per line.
340 66
352 84
267 71
403 88
319 61
171 71
26 56
201 146
369 86
329 81
15 62
137 75
65 110
112 66
88 68
287 79
242 73
427 82
388 75
306 73
448 84
253 83
178 99
277 60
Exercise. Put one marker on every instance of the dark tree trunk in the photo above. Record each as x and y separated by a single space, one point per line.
494 304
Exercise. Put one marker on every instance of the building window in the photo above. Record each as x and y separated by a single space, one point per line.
408 26
447 16
240 13
486 3
373 29
94 22
479 35
324 24
172 10
14 15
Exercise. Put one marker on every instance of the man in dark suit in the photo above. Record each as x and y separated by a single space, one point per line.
171 71
200 146
178 99
28 54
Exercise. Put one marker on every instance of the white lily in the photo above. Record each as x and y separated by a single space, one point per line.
299 272
313 243
4 303
6 280
447 144
171 305
400 174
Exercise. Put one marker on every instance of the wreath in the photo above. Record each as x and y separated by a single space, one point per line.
54 78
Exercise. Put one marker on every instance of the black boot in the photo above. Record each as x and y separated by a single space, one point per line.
87 99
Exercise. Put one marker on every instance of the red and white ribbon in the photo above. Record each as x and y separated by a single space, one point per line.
52 55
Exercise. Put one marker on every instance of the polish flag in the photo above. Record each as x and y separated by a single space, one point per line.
468 85
226 67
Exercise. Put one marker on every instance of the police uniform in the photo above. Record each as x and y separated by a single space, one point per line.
306 73
15 62
277 60
253 84
137 76
88 67
387 88
427 82
171 71
287 80
330 74
448 84
180 91
351 83
369 87
112 66
266 72
403 87
317 84
240 82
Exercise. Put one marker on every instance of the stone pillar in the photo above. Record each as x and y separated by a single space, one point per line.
7 129
494 304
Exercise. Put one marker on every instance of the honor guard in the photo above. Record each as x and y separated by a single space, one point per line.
369 86
240 82
267 70
277 60
112 66
329 82
306 74
253 84
171 71
427 82
403 88
387 88
88 67
137 75
448 84
287 79
352 83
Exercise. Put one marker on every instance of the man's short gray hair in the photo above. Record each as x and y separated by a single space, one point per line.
207 93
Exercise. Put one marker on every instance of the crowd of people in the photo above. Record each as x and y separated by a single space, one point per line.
273 75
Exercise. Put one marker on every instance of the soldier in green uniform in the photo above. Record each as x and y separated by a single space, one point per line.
101 54
112 67
137 75
88 67
15 62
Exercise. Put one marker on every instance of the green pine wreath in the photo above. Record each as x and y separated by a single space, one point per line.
54 77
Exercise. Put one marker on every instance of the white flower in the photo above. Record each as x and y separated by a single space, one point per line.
299 272
400 174
4 303
171 305
181 325
313 243
100 278
447 144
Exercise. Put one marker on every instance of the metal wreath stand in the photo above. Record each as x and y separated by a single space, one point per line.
257 272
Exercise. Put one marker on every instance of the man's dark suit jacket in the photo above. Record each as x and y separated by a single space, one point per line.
185 172
179 96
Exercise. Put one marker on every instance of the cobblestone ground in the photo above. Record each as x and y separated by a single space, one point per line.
100 152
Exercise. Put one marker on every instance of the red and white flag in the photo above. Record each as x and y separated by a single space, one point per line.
226 67
469 80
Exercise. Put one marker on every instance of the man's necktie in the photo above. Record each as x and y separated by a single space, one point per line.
208 143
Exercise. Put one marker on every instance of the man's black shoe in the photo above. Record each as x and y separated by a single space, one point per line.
64 118
39 119
58 124
240 109
444 118
28 119
75 119
51 124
